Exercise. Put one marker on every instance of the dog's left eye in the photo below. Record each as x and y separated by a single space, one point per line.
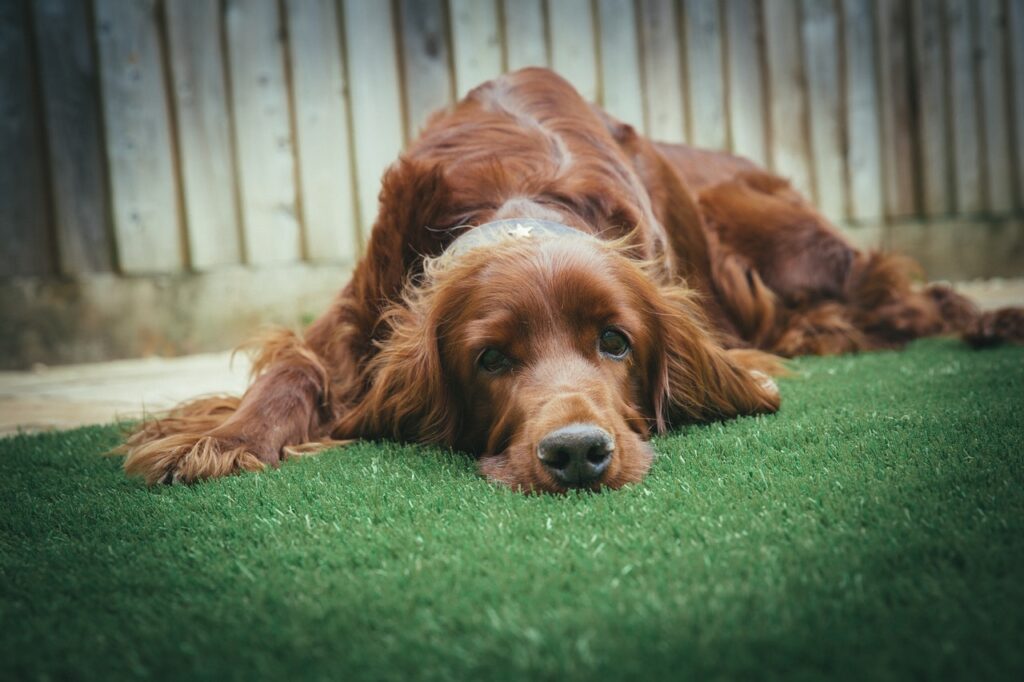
613 344
494 361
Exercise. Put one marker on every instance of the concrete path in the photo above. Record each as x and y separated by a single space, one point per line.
994 293
74 395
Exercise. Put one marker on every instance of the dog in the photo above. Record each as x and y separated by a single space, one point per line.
544 288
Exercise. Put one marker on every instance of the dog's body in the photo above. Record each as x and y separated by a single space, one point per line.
552 358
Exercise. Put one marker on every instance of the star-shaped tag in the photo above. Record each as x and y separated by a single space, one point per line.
520 231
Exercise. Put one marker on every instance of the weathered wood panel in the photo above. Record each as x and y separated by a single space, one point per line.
377 129
425 61
967 161
1015 28
573 47
143 182
266 160
747 119
991 50
476 42
705 73
790 152
69 85
25 247
204 132
899 154
663 79
864 166
621 86
169 134
820 35
525 34
322 131
930 104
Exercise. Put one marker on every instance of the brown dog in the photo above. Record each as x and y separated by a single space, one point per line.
544 288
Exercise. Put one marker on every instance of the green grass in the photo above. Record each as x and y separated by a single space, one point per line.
873 529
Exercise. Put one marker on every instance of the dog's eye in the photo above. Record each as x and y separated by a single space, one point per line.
494 361
613 344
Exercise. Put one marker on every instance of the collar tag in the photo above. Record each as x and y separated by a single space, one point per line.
516 229
520 231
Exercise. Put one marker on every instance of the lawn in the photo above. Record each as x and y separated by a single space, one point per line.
873 529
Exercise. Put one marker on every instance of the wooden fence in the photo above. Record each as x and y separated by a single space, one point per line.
145 136
185 136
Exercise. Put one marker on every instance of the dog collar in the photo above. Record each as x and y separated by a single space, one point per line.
510 231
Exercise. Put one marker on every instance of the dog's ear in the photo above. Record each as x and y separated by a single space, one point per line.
693 378
408 397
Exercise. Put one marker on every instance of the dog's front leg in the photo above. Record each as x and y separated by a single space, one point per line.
209 437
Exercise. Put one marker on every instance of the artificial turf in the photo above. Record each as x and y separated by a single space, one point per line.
873 529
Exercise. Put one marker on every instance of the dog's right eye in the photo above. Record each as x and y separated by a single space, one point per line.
614 344
494 361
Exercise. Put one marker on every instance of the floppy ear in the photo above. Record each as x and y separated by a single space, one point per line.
695 378
407 397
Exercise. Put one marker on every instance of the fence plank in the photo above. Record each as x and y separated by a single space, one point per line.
525 41
25 247
964 97
573 49
621 87
263 139
930 65
745 62
862 148
820 34
428 82
377 129
138 137
705 73
476 43
790 153
321 131
70 89
1015 28
204 132
991 48
663 81
898 152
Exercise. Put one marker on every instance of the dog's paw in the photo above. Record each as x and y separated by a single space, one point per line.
765 382
186 458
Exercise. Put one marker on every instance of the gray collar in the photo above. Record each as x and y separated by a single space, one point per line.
513 230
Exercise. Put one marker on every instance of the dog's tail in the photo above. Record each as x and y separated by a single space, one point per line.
892 310
994 327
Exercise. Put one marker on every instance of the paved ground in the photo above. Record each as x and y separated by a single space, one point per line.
994 293
73 395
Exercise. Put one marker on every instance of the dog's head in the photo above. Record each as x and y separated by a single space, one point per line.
552 360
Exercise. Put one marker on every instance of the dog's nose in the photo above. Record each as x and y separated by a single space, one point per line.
577 454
